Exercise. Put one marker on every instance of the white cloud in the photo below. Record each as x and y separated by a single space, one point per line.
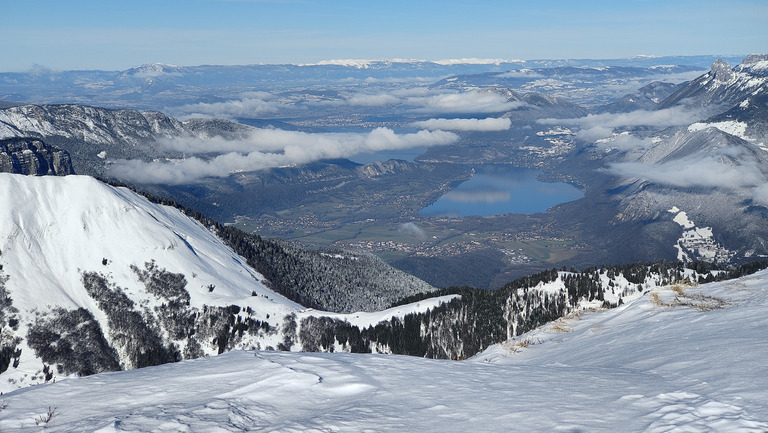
253 105
760 194
622 141
466 102
596 127
373 100
675 116
709 172
413 230
488 124
626 141
426 100
267 148
594 133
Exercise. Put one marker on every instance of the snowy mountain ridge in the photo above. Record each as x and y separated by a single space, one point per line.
78 122
95 137
723 85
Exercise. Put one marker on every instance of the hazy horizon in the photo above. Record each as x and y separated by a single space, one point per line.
82 35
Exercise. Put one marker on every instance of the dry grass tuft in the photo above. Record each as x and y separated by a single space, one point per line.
678 288
656 300
561 326
517 345
682 298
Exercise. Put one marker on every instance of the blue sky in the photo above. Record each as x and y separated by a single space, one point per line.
116 35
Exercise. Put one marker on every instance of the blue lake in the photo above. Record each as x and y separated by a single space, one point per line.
498 190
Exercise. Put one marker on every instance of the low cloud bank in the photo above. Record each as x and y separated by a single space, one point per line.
429 101
604 130
267 148
624 141
483 125
760 194
675 116
712 171
252 105
255 105
466 102
373 100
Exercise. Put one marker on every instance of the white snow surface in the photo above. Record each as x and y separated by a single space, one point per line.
363 319
661 363
54 228
738 129
697 243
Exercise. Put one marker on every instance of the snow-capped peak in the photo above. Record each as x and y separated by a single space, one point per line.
368 63
475 61
359 63
152 70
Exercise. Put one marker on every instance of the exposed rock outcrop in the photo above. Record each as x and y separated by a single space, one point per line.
721 71
754 58
32 156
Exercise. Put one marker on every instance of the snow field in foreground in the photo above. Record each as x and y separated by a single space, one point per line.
677 359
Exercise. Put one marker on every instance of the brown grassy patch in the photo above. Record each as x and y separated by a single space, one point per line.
684 298
678 288
655 300
561 326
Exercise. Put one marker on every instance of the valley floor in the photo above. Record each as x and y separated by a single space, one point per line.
676 359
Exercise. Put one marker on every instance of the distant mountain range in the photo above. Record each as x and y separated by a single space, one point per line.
159 86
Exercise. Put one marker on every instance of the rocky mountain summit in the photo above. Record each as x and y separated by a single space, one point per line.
723 85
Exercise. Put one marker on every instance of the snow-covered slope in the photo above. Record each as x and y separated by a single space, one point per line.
53 229
676 359
95 278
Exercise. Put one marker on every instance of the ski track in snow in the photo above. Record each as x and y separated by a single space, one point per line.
645 366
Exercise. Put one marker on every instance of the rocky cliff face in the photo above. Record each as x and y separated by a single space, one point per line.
32 156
